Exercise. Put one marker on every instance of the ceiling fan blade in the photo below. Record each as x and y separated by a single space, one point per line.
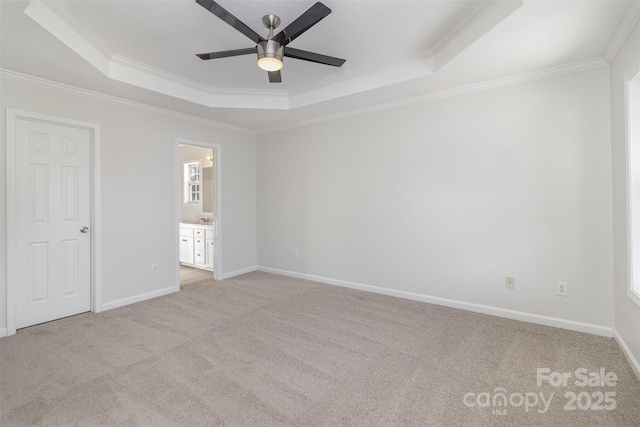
227 17
313 57
226 53
275 77
305 21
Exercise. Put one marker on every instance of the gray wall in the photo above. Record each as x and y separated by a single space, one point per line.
445 199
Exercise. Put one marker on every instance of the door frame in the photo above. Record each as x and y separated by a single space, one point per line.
12 115
217 200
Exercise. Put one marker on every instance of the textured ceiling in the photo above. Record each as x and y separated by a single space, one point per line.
165 35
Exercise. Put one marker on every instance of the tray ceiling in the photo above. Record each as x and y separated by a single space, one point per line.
393 49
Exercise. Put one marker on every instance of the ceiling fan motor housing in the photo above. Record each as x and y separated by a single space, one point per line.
270 49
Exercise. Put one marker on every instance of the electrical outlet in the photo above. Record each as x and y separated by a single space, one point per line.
296 255
510 282
562 289
154 268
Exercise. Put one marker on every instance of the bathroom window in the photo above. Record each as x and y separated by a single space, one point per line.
192 182
633 156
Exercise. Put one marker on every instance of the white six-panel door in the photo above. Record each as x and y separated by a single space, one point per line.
53 199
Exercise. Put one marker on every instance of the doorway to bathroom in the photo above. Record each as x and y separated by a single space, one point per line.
198 207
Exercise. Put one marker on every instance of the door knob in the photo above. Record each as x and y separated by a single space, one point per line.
84 229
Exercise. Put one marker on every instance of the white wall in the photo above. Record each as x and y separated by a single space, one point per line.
139 219
447 198
627 313
191 211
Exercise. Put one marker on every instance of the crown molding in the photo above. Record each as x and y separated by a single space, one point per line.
138 74
397 70
97 96
453 31
482 20
66 28
448 93
421 99
625 27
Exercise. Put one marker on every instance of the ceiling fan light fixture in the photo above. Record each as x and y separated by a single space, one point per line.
270 64
270 55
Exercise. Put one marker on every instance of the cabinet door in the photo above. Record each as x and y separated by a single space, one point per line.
210 253
186 249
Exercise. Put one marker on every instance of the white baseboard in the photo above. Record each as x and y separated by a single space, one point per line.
238 272
3 332
477 308
627 352
137 298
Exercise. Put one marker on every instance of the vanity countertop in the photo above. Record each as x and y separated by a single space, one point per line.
199 224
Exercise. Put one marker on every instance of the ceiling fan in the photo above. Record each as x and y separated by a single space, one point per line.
271 50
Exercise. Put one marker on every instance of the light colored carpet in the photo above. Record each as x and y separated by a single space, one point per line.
266 350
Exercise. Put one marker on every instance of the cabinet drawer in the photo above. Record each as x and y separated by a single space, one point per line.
198 232
185 231
201 258
209 234
199 243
